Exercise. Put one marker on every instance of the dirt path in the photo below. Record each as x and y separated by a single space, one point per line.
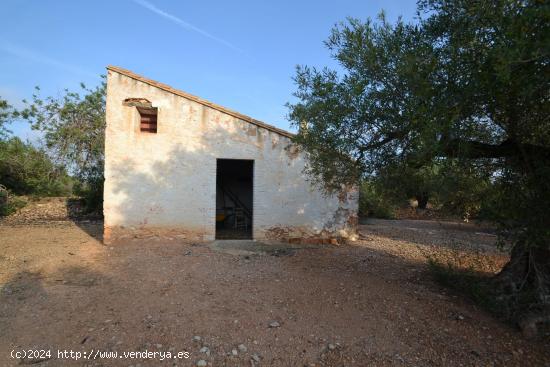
368 304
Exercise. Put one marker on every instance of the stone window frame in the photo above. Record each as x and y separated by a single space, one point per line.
143 104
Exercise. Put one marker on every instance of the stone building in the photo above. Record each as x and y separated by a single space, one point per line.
179 166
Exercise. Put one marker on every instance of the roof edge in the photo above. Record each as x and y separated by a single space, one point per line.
204 102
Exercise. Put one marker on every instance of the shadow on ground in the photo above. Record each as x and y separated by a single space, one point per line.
348 305
91 223
250 247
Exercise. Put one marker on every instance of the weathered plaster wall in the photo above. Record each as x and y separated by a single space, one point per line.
165 183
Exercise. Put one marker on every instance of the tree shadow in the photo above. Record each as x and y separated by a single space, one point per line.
38 308
187 290
91 223
450 235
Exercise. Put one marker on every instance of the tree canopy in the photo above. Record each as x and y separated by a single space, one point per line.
29 170
6 114
73 127
74 133
468 81
25 168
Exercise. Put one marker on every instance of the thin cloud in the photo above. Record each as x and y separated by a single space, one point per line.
27 54
147 5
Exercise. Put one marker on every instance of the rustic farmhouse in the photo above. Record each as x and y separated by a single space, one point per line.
178 166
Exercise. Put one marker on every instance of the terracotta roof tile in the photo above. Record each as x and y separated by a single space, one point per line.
204 102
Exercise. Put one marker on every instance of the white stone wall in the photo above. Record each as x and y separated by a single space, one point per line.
165 183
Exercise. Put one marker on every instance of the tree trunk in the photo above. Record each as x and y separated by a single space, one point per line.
523 285
422 200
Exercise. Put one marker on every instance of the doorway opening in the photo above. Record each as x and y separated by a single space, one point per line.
234 179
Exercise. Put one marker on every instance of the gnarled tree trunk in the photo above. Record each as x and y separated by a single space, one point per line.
524 285
422 199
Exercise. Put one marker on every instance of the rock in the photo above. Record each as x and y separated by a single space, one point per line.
331 346
242 348
201 363
256 358
158 346
274 324
197 338
205 350
235 352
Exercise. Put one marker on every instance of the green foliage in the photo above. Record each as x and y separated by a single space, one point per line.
27 170
374 202
6 114
74 132
403 182
467 83
9 203
450 186
92 194
464 189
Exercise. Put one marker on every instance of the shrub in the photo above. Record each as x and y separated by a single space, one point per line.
28 170
373 203
8 203
92 193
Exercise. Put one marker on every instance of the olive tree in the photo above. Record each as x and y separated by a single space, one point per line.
467 81
74 133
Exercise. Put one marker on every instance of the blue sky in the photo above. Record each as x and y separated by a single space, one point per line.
240 54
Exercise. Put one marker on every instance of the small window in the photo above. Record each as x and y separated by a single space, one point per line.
148 119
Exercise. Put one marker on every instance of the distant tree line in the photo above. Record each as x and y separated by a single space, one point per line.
447 187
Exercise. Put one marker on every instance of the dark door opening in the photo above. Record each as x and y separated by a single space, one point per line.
234 198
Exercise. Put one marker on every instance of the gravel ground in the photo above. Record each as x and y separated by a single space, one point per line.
367 303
